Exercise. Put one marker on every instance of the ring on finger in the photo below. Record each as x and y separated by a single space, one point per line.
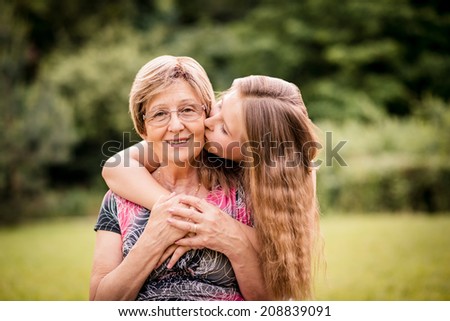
194 228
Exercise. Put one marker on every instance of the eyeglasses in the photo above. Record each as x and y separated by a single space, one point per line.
161 117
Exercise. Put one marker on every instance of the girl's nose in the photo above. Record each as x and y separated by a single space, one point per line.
210 122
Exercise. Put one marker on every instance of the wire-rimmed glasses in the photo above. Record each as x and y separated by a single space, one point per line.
161 116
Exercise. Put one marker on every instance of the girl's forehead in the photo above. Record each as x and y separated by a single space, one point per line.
232 114
230 92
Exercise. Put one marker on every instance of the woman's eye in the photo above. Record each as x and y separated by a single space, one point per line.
187 110
161 113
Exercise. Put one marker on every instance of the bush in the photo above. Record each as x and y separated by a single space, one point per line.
71 202
420 189
389 165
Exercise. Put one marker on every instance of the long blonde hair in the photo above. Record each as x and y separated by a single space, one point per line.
281 145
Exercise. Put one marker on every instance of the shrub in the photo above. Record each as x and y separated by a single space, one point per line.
390 165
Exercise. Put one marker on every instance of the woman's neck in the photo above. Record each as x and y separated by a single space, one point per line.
178 179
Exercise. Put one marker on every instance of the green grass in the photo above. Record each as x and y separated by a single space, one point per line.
371 257
47 261
386 257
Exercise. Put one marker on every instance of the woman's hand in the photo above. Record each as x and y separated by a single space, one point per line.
211 227
177 251
157 227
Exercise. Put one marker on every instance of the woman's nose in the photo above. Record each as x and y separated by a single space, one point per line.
175 123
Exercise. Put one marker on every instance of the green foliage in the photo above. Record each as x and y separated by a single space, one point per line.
94 84
54 203
66 71
68 203
414 189
394 164
30 117
361 47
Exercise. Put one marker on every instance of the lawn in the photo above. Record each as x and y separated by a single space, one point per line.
370 257
47 261
386 257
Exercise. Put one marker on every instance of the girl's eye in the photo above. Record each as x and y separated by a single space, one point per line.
223 130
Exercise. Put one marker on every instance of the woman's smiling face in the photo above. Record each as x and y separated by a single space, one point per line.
178 140
225 127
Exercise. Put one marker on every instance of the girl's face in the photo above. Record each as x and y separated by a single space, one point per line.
224 128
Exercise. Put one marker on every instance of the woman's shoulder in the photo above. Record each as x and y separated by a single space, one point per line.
220 197
119 205
231 202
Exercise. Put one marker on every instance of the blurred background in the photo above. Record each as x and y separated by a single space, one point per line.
374 76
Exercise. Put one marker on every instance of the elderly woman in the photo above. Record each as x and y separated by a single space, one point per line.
169 101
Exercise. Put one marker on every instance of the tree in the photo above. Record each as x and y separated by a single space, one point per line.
384 53
36 129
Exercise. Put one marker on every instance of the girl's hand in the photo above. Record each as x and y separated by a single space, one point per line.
212 228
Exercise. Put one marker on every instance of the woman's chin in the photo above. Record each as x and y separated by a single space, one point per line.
183 156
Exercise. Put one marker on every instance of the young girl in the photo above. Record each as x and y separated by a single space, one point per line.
262 124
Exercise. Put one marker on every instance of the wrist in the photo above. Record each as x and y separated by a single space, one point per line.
149 246
239 245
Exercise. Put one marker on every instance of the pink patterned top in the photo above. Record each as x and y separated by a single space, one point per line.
199 274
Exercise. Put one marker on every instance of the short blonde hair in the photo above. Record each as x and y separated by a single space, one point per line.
158 74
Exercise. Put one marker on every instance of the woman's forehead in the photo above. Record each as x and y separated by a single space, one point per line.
178 92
